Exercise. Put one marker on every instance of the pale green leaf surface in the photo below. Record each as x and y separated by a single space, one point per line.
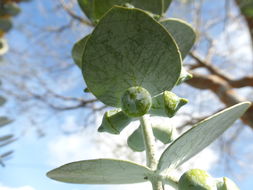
182 32
162 132
77 51
129 48
135 141
101 171
200 136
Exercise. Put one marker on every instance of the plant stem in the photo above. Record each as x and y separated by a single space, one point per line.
149 141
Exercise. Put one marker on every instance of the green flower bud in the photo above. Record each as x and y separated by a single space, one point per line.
184 75
226 184
196 179
114 121
173 103
136 101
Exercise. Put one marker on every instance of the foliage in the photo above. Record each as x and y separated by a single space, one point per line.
5 139
8 9
131 47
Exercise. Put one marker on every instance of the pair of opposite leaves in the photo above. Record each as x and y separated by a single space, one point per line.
129 48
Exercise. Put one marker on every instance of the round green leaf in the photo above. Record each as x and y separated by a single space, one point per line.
182 32
200 136
129 48
101 171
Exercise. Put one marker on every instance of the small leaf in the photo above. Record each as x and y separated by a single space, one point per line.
114 121
6 154
6 137
2 99
135 141
162 132
4 121
165 132
137 51
184 76
200 136
77 51
183 34
101 171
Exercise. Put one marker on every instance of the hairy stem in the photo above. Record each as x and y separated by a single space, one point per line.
149 141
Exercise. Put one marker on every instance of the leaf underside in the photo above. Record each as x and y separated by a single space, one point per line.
101 171
78 49
182 32
129 48
200 136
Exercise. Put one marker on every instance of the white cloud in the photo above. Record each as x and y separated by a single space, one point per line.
64 149
16 188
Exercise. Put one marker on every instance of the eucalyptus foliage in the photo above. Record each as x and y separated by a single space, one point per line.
131 61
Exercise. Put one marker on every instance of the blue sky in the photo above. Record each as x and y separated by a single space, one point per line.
34 156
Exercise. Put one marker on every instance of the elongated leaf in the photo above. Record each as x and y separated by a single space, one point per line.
6 137
101 171
6 154
200 136
2 99
77 51
182 32
4 121
7 142
137 51
95 9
